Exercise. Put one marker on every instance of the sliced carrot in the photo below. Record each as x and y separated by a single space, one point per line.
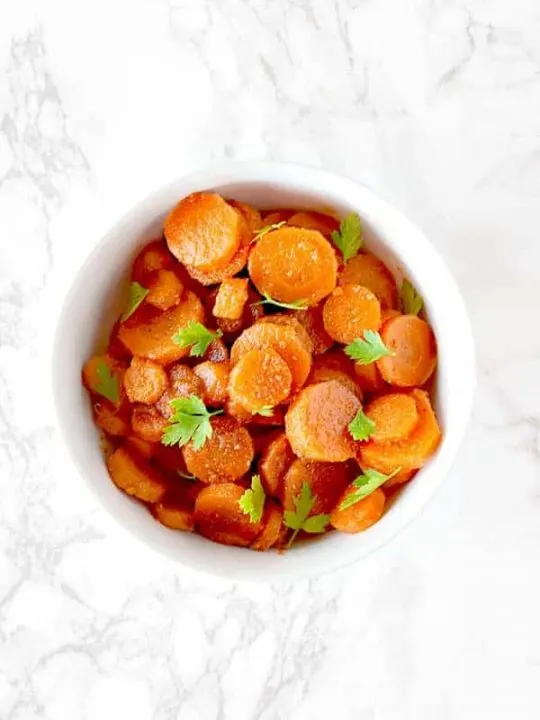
272 522
148 423
359 516
174 512
204 232
215 379
237 411
275 460
145 381
116 348
92 375
325 224
293 264
327 482
399 478
250 214
184 382
260 379
225 457
141 447
395 416
292 322
317 421
369 378
212 277
218 516
388 314
165 289
217 351
111 419
284 340
152 337
410 453
135 476
367 270
312 321
414 357
231 298
153 257
328 367
349 311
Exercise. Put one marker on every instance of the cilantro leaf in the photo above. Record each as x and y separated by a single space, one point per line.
196 335
369 349
411 301
190 421
266 411
266 229
361 427
107 385
137 293
299 518
252 501
365 484
295 305
316 523
349 238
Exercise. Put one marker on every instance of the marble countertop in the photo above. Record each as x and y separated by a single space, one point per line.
436 105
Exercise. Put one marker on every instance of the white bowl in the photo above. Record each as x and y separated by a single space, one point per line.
96 297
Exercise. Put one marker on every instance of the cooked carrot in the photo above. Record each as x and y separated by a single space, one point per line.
250 214
284 340
359 516
152 337
111 419
231 298
311 320
204 232
369 378
141 447
388 314
225 457
252 312
275 460
174 513
237 411
102 374
212 277
410 453
148 423
165 289
170 459
260 379
399 478
116 348
218 516
349 311
154 256
317 420
367 270
272 522
135 476
414 357
276 216
327 482
217 351
145 381
292 322
215 379
329 367
325 224
395 416
184 382
292 265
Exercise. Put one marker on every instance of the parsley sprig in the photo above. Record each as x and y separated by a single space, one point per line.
367 350
137 293
252 501
196 336
349 237
108 385
190 421
365 484
295 305
299 519
411 302
361 427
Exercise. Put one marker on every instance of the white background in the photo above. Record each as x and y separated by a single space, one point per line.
436 105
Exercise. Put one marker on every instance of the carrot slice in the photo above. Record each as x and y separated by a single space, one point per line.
212 277
145 381
359 516
111 419
272 522
231 298
395 417
317 420
215 379
349 311
141 447
148 423
217 351
332 367
369 378
367 270
293 264
153 257
284 340
312 321
250 214
327 482
203 231
165 289
412 343
225 457
116 348
184 382
275 460
152 337
413 451
174 513
218 516
260 379
325 224
399 478
388 314
135 476
292 322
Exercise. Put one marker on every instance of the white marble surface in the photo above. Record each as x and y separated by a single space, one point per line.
435 104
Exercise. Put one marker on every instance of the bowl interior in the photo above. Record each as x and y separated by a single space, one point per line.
97 297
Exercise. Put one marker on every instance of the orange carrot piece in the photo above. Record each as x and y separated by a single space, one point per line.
218 516
184 382
174 513
141 447
367 270
215 379
148 423
153 257
412 343
111 419
145 381
231 298
225 457
250 214
359 516
260 379
349 311
252 312
369 378
399 478
292 322
238 263
327 482
325 224
329 367
272 522
312 321
395 417
136 477
388 314
275 460
217 351
165 289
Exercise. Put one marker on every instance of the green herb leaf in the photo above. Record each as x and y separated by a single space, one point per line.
107 385
190 421
316 524
266 411
197 336
365 484
411 301
349 238
252 501
295 305
137 293
361 427
266 229
299 518
369 349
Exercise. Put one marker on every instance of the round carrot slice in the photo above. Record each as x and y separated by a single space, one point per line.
153 257
184 382
135 476
349 311
413 451
335 367
215 379
145 381
317 420
212 277
414 357
272 521
367 270
388 314
250 214
217 351
312 321
369 378
225 457
174 513
165 289
327 482
284 340
325 224
275 460
148 423
260 378
359 516
140 447
252 312
293 264
292 322
203 231
218 516
395 417
399 478
111 419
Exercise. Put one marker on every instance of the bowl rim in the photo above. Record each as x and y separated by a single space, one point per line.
312 180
